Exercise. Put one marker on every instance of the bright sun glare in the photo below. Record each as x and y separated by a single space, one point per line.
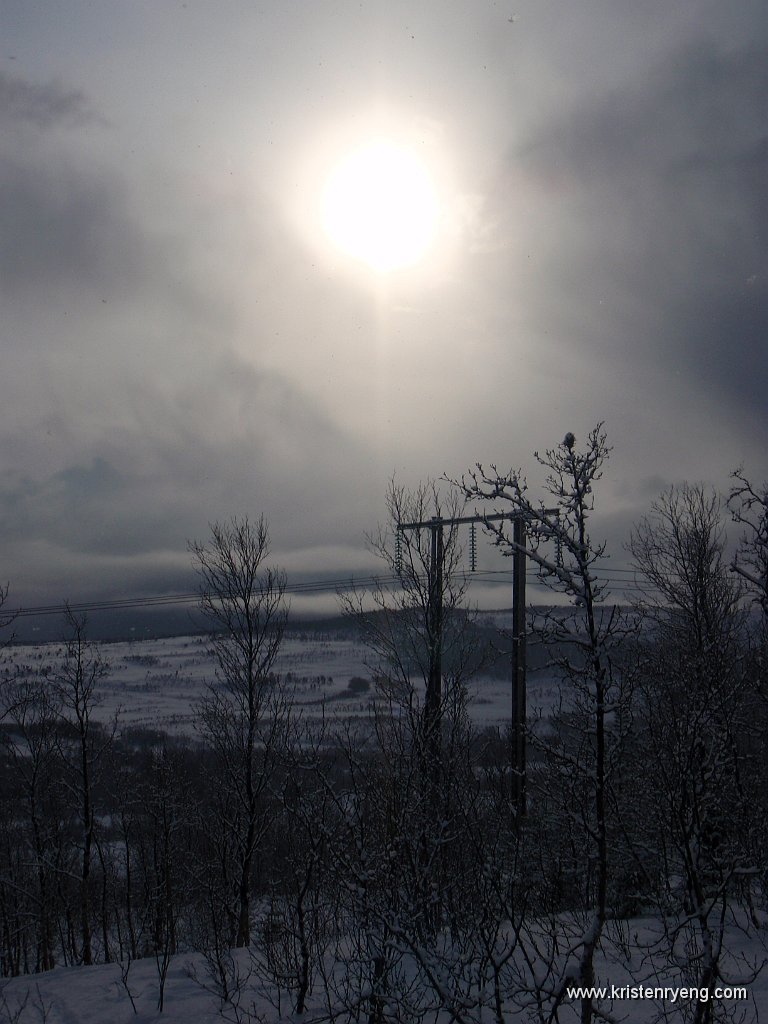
380 206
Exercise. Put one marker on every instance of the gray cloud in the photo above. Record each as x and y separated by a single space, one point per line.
236 440
662 187
41 106
174 352
133 422
699 105
61 229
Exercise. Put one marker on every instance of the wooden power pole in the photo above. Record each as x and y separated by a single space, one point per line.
519 697
433 697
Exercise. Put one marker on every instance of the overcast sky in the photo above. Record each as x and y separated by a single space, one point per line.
182 341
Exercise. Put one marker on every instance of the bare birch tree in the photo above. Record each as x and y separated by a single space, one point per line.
694 713
31 749
244 715
421 653
83 746
748 505
581 761
424 851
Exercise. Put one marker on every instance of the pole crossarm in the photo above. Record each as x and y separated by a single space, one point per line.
459 520
519 697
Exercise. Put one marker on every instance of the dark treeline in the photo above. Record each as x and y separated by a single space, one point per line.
389 872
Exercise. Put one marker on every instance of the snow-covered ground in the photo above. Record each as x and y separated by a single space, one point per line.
155 683
107 994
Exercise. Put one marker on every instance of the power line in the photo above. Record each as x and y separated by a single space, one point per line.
118 604
625 579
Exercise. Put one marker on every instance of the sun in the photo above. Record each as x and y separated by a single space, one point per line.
380 206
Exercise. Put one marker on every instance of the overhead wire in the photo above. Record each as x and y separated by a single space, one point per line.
625 580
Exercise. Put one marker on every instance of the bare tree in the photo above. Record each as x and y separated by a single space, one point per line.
31 748
418 635
301 912
748 505
6 618
243 716
749 508
167 808
694 712
581 761
424 853
83 746
421 651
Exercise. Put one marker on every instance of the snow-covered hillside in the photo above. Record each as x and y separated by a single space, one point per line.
130 993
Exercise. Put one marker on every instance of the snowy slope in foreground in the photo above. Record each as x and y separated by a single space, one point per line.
97 995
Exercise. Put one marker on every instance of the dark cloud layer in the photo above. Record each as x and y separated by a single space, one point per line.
43 106
665 178
176 348
60 229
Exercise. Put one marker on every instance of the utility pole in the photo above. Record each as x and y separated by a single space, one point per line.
433 697
519 696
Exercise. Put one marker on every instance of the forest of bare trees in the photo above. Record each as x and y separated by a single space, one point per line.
386 873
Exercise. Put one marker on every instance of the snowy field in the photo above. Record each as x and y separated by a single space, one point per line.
155 683
109 994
